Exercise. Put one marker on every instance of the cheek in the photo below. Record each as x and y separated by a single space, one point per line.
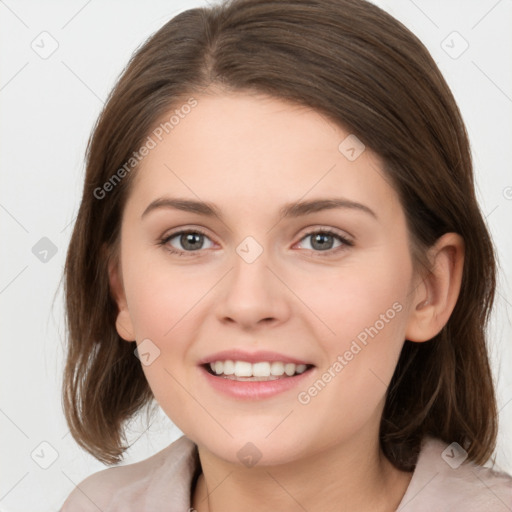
357 297
163 312
361 333
162 298
164 305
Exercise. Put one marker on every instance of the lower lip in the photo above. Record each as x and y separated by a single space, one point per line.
253 390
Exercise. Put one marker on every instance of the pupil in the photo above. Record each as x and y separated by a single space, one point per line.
320 238
189 240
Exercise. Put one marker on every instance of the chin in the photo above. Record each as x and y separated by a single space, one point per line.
256 447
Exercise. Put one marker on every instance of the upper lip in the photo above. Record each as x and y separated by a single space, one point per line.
250 357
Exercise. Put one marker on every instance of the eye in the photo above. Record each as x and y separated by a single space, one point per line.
188 241
323 241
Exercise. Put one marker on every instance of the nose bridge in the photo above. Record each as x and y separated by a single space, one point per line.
249 281
252 293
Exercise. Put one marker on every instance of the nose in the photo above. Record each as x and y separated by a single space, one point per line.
252 295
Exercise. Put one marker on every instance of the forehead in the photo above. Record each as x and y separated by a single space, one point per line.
255 151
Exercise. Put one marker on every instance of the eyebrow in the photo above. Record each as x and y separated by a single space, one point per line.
296 209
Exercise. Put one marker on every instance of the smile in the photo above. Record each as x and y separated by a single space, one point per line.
259 371
242 380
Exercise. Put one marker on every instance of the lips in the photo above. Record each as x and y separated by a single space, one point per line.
253 375
251 357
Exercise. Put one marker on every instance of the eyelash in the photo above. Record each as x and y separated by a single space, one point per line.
330 252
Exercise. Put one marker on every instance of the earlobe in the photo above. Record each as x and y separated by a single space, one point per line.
437 294
124 324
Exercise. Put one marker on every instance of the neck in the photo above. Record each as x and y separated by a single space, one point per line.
351 476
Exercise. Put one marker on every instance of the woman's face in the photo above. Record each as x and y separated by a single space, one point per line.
266 279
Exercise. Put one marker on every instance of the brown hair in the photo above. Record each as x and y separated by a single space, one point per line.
356 64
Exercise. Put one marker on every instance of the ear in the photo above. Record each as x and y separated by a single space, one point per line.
437 293
124 324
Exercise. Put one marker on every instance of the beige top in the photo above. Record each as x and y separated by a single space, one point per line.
441 482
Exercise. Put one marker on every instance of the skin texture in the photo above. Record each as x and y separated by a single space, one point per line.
249 155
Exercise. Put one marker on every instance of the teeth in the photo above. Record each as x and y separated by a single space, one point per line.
289 369
277 368
229 368
242 369
261 369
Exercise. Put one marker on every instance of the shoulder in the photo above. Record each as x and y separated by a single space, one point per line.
162 478
444 480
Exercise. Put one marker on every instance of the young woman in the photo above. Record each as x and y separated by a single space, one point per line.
279 244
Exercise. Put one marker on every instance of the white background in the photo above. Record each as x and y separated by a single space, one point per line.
48 108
